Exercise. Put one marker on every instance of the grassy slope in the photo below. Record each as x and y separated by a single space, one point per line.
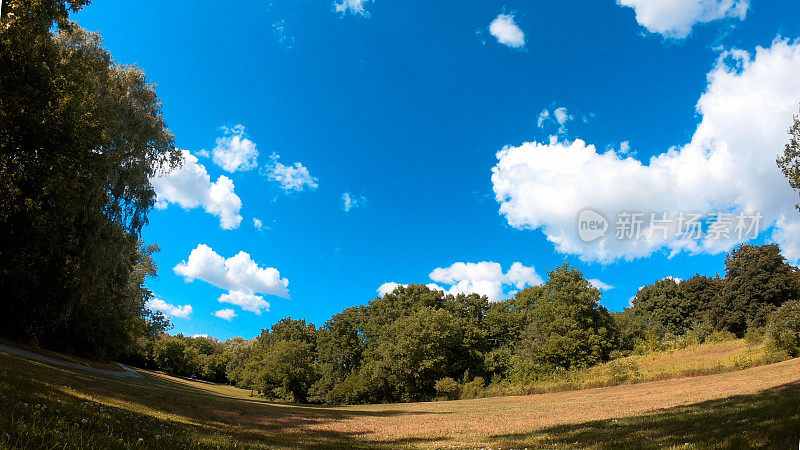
44 406
703 359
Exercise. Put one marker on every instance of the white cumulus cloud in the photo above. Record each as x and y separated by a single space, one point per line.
675 18
234 151
242 277
483 278
225 314
247 301
505 29
729 165
190 187
357 7
386 288
292 178
171 310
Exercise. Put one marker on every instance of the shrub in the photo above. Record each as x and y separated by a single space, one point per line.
448 388
474 388
624 370
651 343
720 336
783 330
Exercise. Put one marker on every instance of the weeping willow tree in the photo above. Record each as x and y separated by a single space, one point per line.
80 137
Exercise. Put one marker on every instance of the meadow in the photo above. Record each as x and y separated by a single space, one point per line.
679 361
43 406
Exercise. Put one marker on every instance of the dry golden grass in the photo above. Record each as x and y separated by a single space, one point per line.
190 413
702 359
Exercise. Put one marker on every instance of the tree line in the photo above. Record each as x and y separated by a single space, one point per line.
417 343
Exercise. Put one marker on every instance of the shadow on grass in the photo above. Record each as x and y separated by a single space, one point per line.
133 409
769 419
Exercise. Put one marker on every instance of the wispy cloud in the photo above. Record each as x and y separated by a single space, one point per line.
350 201
291 178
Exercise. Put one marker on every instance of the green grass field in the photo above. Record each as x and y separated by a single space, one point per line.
43 406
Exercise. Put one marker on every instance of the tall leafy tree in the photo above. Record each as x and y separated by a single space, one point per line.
416 351
340 346
80 137
568 327
505 322
789 162
757 281
701 293
664 307
287 360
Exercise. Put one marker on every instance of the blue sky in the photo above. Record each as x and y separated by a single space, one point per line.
404 106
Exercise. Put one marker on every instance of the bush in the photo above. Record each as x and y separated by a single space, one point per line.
474 388
624 370
651 343
448 388
783 330
720 336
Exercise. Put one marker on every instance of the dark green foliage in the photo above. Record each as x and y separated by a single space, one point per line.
783 328
700 294
757 282
668 307
567 327
632 331
418 349
340 347
399 345
170 354
448 388
80 139
283 363
202 357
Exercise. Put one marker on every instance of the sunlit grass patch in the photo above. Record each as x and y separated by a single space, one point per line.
770 419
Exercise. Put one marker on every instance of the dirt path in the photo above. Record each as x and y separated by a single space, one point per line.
126 371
